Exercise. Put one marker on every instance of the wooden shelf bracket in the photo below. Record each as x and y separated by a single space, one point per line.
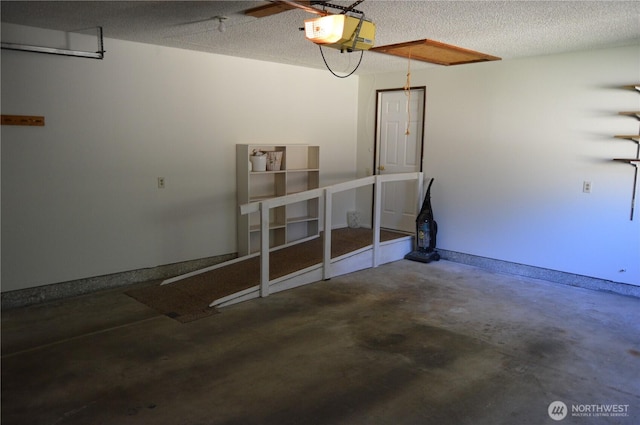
635 162
635 114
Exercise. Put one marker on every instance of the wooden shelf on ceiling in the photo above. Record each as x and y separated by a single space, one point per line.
434 52
276 7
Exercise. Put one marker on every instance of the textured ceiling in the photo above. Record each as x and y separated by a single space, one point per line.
507 29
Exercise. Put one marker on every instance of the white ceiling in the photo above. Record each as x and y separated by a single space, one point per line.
508 29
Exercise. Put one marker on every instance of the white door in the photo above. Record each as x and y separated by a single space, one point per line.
399 137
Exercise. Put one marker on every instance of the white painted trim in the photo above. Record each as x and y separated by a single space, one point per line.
264 250
239 294
246 297
377 213
328 200
206 269
312 274
295 274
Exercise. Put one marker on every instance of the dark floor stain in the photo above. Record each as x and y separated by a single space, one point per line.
427 347
336 405
435 358
633 352
545 348
328 298
385 341
431 353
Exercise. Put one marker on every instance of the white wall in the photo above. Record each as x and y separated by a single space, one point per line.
79 195
510 143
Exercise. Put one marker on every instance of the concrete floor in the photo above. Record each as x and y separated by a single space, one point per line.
406 343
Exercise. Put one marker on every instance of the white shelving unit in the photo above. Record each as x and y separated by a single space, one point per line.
299 171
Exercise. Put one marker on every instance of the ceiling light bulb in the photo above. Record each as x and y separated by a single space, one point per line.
221 26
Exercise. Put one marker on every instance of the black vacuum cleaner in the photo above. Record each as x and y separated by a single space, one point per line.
426 230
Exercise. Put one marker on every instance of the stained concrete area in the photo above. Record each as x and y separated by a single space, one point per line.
406 343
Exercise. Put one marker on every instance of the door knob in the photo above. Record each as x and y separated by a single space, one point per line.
381 167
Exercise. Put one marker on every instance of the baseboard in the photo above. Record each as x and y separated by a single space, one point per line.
542 273
56 291
40 294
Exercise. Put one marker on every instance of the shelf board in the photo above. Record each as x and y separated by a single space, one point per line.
632 161
293 192
304 219
631 114
633 137
272 226
23 120
256 173
302 170
262 198
632 87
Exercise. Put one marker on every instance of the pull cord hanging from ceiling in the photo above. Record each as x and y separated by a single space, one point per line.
407 91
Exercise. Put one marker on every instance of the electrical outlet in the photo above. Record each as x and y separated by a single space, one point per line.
160 182
586 187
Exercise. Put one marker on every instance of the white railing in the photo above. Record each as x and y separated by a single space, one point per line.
327 193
